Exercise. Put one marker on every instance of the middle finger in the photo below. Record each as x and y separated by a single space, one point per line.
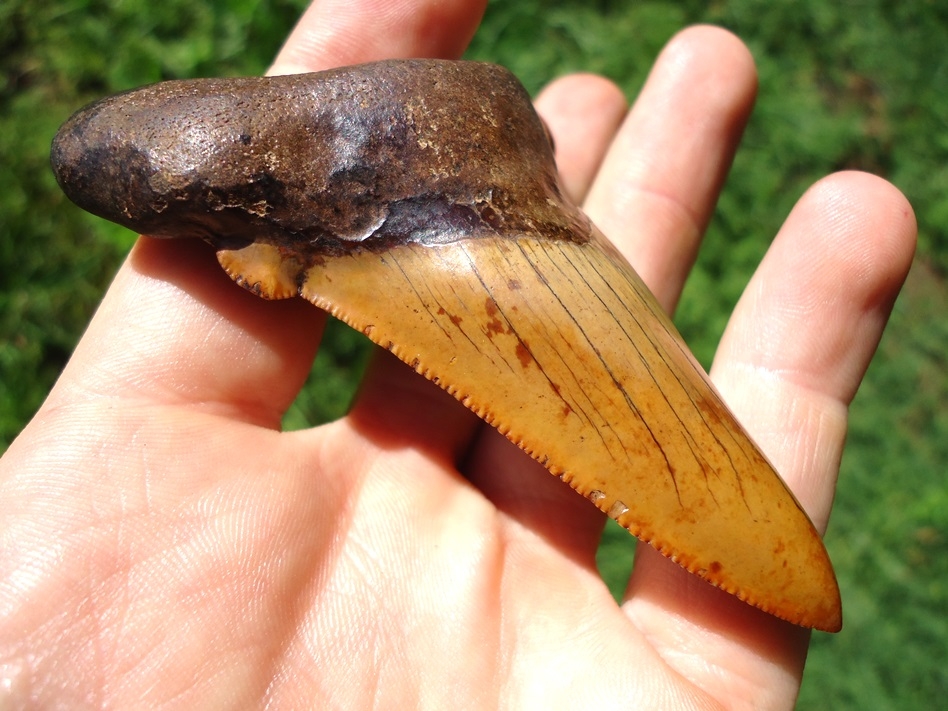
653 197
660 180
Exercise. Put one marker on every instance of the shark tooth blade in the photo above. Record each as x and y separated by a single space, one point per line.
562 348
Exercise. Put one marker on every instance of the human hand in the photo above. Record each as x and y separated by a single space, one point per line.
164 543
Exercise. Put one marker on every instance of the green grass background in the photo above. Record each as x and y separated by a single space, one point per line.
858 84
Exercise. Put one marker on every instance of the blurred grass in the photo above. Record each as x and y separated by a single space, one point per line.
860 84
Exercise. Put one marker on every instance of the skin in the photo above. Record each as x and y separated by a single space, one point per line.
163 544
342 185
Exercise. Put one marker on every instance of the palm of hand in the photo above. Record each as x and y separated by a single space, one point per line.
339 567
162 540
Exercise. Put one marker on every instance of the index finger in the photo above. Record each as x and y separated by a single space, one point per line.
171 318
333 33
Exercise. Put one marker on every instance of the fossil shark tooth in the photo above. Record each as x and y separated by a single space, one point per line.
418 201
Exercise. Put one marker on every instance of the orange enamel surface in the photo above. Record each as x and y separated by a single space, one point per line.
262 268
563 349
